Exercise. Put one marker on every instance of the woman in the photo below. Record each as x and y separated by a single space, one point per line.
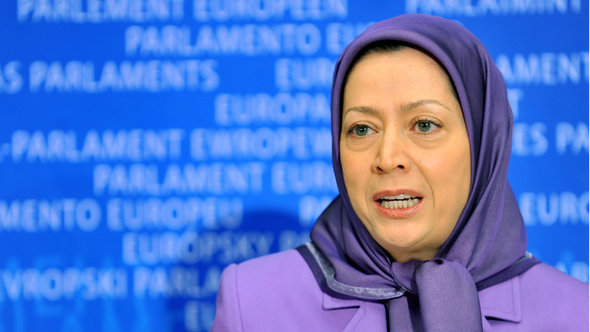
426 233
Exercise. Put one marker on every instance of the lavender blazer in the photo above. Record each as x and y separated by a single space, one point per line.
279 293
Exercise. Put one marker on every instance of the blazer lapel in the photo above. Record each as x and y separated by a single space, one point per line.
369 316
502 301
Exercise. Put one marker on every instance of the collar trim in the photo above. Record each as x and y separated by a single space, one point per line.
328 273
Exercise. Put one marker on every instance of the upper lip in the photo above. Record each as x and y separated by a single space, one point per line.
400 193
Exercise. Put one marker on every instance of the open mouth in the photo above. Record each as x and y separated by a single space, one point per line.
402 201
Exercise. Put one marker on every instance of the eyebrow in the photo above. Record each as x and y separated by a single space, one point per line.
410 106
361 109
404 108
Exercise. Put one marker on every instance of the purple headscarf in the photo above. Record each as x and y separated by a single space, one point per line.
488 244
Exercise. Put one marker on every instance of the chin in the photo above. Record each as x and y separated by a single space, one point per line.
402 244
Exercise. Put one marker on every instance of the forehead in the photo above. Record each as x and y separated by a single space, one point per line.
406 51
403 72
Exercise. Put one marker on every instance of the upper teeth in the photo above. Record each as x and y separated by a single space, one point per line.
402 196
397 202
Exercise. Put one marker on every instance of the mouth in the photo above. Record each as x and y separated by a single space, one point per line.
397 202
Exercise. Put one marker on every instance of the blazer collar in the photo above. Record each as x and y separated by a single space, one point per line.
367 315
332 303
502 301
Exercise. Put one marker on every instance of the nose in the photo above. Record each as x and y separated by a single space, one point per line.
391 155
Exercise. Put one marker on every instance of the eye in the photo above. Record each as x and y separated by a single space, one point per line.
426 126
360 130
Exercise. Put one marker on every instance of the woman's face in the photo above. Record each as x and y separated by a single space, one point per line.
404 152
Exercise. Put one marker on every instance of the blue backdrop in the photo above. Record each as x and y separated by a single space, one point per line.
147 144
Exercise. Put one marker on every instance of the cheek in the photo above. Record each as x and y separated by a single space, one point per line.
349 166
449 171
354 170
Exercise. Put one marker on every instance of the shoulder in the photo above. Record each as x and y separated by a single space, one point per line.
276 269
271 291
285 273
541 299
552 300
547 277
549 290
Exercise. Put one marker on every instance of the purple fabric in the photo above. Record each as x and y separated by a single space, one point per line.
489 239
278 292
437 280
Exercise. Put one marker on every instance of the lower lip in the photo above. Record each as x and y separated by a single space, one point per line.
398 213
